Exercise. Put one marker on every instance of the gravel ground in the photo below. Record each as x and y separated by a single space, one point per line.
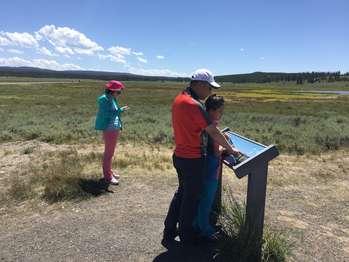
122 226
307 196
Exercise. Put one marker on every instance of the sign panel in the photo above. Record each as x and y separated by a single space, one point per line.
253 153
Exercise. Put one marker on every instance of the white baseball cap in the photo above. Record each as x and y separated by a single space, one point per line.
205 75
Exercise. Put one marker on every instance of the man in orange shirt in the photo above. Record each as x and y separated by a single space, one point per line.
191 127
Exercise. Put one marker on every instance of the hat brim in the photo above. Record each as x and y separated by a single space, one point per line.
111 87
214 85
114 89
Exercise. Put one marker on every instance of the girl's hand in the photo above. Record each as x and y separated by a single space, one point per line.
221 151
233 151
124 108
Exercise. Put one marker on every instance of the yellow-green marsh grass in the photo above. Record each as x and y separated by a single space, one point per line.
276 95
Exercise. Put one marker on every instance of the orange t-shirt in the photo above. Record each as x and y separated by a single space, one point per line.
188 121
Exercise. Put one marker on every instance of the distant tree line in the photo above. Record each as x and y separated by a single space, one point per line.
299 78
256 77
96 75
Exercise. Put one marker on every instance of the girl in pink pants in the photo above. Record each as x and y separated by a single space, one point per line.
108 120
110 138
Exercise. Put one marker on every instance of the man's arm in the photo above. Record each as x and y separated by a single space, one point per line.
219 138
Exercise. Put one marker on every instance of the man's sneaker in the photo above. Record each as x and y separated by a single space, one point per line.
113 181
168 239
116 176
169 242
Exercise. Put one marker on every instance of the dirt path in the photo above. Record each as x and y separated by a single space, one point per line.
122 226
307 196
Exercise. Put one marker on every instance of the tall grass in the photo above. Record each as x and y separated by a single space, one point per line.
70 176
60 178
269 113
238 242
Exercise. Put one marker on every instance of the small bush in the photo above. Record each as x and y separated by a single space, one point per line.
238 242
56 180
28 150
275 246
62 179
20 189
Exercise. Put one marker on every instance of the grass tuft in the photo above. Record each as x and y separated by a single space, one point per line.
70 176
58 179
275 246
20 190
61 178
237 243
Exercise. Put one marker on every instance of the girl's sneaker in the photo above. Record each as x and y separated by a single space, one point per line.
113 181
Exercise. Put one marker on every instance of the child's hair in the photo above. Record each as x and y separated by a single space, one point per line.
213 102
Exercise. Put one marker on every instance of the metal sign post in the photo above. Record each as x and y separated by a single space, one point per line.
255 166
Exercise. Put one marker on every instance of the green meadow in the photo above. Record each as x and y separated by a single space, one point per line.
294 117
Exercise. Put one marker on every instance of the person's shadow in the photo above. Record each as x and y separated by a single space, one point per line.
197 253
94 187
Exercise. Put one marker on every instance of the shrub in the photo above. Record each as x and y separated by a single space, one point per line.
61 179
237 243
20 190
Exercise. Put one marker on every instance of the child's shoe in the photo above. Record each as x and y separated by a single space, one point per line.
113 181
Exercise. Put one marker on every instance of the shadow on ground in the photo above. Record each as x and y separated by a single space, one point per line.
95 187
200 253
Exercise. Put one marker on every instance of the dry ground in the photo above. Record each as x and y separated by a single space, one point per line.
308 197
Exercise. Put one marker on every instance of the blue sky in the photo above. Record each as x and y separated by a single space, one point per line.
176 37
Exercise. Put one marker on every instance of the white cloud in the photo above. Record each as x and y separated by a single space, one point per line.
52 64
137 53
142 60
117 54
15 51
242 49
14 61
38 36
41 63
262 58
119 60
119 51
154 72
82 51
43 50
53 41
64 50
4 41
68 41
17 39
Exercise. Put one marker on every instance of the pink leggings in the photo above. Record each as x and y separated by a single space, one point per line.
110 138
